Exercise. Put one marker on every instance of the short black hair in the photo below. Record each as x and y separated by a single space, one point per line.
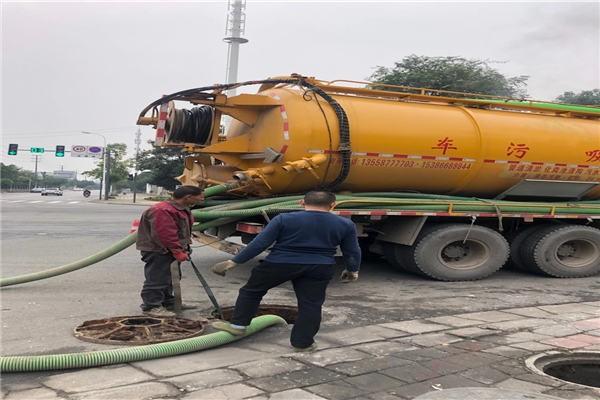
319 198
186 190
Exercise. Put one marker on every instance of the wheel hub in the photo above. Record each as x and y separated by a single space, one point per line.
577 253
463 255
455 251
566 250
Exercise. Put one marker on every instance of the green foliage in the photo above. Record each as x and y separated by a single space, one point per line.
585 97
118 166
162 164
6 183
453 74
14 176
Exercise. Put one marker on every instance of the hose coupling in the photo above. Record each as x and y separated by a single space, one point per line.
305 164
255 174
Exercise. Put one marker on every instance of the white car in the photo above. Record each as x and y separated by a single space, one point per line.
37 190
52 192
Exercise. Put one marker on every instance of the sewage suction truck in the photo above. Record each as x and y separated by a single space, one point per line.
447 185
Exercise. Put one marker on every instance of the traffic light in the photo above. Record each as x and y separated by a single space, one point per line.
37 150
12 149
60 151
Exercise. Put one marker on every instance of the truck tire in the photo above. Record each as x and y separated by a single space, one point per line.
399 256
566 251
445 255
516 242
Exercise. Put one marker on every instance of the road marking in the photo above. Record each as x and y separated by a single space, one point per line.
35 201
73 202
17 201
54 202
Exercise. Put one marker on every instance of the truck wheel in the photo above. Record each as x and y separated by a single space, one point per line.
399 256
460 252
516 242
567 251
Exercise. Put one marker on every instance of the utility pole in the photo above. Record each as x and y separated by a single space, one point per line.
236 25
106 173
137 142
35 175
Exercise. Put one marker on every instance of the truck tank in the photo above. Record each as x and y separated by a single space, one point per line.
289 138
299 133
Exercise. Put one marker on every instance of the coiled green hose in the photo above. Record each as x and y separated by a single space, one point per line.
130 354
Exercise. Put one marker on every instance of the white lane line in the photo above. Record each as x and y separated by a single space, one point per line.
73 202
35 201
55 201
17 201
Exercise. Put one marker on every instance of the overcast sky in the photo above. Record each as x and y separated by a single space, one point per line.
68 67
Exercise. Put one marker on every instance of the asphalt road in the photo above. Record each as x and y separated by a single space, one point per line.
43 232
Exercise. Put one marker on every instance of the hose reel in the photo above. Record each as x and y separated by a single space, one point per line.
190 126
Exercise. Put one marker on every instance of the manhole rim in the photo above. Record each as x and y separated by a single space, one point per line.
555 355
81 335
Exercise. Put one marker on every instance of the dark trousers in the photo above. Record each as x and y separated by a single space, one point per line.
310 283
158 286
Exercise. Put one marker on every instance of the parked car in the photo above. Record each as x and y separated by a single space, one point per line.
52 192
36 190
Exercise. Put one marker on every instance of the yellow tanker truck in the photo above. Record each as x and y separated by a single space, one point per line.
448 185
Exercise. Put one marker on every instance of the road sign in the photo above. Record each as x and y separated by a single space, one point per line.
37 150
95 151
86 151
12 149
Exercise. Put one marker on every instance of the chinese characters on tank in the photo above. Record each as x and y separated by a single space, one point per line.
445 144
519 150
594 155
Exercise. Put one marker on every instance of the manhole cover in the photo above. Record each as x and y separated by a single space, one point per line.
138 330
582 368
288 313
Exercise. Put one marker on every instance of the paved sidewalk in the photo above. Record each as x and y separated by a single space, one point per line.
398 360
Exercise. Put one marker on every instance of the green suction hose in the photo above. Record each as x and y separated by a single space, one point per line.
218 189
130 354
220 214
84 262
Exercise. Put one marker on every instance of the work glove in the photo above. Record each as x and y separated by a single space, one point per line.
348 276
181 256
222 267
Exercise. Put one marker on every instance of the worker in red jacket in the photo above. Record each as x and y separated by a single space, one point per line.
164 235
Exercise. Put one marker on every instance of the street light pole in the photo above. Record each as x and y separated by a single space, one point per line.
138 141
102 177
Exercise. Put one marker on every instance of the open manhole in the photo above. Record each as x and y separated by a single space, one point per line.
288 313
582 368
138 330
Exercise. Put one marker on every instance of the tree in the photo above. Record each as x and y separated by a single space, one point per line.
14 176
162 164
118 165
585 97
453 74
